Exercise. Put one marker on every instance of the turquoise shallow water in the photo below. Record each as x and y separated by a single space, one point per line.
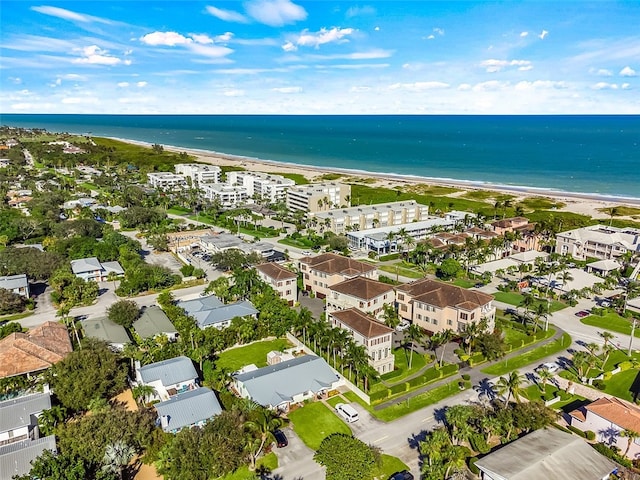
585 154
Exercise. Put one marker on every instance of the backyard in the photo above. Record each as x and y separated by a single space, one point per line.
256 353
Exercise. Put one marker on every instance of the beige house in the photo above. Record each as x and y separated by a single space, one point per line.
376 337
363 293
598 241
437 306
321 272
608 418
281 280
526 237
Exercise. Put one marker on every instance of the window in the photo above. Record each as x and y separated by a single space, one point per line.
434 321
403 308
419 317
463 316
449 322
400 296
288 292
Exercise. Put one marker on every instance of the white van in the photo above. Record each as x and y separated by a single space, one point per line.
347 412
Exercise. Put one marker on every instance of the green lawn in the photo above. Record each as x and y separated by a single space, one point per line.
390 465
405 272
175 210
529 357
269 460
333 401
15 316
611 321
255 353
533 392
464 283
621 384
513 335
314 422
515 299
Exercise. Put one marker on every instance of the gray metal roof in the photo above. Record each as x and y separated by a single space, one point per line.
189 408
198 304
169 372
104 329
113 267
549 454
10 282
16 458
275 384
17 412
153 321
85 265
210 310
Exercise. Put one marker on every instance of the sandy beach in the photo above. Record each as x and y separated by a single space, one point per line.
585 204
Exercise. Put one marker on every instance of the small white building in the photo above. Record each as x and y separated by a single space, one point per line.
18 284
166 181
168 378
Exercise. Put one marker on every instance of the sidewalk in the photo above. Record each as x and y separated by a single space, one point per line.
476 376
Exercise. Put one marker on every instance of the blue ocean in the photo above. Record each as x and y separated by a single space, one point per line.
584 154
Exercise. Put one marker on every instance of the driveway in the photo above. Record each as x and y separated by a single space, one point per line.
315 305
296 461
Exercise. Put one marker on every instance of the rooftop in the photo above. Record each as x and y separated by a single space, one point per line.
104 329
153 321
189 408
16 458
362 287
616 411
85 265
210 310
361 323
10 282
443 294
333 264
17 412
169 372
275 271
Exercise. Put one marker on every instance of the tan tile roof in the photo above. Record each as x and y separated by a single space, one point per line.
443 294
616 411
510 222
275 271
333 264
361 323
362 287
33 351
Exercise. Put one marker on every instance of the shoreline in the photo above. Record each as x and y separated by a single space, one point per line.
578 202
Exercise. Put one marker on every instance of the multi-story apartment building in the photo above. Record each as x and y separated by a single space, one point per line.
365 217
281 280
227 195
526 237
199 173
318 197
321 272
437 306
376 337
166 181
598 241
363 293
272 188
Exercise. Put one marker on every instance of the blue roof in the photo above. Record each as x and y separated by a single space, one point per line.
16 458
200 304
279 383
169 372
210 310
189 408
17 412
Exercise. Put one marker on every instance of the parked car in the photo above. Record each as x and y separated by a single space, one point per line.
552 367
402 326
306 252
404 475
347 412
281 439
582 313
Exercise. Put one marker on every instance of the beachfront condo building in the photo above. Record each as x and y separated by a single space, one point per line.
166 181
318 197
524 236
598 241
199 173
376 337
436 306
365 294
227 195
365 217
271 188
321 272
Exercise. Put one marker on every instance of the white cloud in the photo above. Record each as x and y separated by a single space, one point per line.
493 65
419 86
315 39
525 68
601 72
287 89
352 66
360 11
540 85
80 101
275 13
141 84
15 80
69 15
225 37
605 86
123 84
627 72
377 29
625 86
94 55
227 15
524 34
438 31
543 34
168 39
202 39
491 85
357 89
234 93
431 37
369 55
463 87
211 51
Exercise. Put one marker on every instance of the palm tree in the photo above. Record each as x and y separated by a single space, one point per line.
630 435
511 386
263 426
390 315
442 339
117 456
541 311
143 392
473 331
414 334
545 375
607 337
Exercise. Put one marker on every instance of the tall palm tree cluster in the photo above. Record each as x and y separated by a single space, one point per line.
469 430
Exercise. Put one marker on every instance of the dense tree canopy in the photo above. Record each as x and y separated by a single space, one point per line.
35 263
123 312
11 302
346 457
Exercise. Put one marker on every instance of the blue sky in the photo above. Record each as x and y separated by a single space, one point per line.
321 57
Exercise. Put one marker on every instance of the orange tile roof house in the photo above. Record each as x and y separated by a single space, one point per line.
283 281
325 270
363 293
437 306
607 418
376 337
34 351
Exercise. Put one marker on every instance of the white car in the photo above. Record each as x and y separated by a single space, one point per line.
306 252
402 326
347 412
552 367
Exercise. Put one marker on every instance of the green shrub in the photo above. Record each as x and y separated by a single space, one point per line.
378 396
476 359
577 431
607 376
400 388
448 369
391 256
612 454
460 352
478 443
626 365
563 395
431 374
560 427
472 466
599 384
390 375
414 382
590 435
466 376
